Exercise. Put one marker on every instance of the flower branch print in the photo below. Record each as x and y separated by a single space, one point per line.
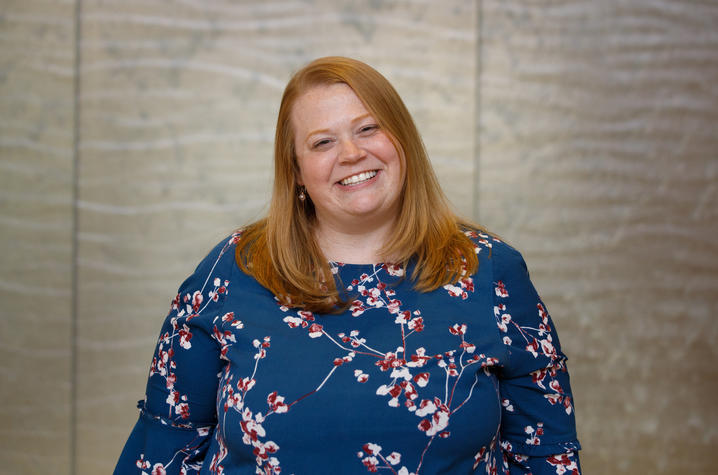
408 374
488 457
187 452
564 463
431 367
234 397
374 461
466 283
538 341
186 306
405 372
183 309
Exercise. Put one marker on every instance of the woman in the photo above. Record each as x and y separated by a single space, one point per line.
361 326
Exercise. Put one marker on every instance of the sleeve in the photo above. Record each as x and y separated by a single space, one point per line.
178 415
538 428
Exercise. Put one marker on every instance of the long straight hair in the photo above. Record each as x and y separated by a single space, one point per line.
281 252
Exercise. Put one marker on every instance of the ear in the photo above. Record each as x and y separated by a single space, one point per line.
298 173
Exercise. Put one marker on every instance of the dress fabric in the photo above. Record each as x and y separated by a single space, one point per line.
469 378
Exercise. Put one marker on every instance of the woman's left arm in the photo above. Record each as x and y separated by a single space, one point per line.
538 428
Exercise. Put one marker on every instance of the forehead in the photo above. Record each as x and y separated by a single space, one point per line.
325 103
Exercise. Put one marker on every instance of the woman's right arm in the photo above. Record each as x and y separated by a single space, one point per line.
178 415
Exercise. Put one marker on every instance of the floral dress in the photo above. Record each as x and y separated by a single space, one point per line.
469 378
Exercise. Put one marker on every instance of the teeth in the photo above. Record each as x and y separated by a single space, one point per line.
354 179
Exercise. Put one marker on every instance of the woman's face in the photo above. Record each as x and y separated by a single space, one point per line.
348 164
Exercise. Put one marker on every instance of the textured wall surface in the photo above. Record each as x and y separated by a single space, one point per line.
599 159
36 175
585 133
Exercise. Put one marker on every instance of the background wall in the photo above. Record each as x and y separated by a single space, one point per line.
135 134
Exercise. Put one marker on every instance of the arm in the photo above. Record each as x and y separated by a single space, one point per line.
178 415
538 429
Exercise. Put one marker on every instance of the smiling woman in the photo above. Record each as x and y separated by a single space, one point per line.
360 326
290 250
351 169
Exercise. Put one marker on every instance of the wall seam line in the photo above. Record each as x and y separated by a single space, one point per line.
477 110
75 244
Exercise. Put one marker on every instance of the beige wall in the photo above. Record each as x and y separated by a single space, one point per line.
599 159
36 234
585 133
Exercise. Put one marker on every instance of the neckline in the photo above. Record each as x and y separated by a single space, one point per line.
389 268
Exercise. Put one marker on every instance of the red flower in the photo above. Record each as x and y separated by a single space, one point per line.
416 324
183 410
315 330
196 300
501 290
457 329
422 379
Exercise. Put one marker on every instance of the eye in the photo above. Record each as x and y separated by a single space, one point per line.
367 129
321 143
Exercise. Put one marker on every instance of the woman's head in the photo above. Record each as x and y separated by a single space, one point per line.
281 251
383 103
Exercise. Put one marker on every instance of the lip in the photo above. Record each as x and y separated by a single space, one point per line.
355 185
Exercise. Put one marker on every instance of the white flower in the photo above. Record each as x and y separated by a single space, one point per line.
393 458
401 373
425 408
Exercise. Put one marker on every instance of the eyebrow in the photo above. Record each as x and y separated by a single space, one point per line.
354 121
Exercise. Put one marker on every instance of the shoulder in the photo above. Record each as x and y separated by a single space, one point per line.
208 285
492 250
507 261
221 255
504 265
510 274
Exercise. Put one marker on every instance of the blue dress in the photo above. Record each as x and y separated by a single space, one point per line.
469 378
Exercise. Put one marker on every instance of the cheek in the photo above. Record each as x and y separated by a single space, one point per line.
390 152
312 171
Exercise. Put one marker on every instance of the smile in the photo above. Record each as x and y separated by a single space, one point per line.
358 178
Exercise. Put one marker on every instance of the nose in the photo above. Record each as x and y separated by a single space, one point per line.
351 151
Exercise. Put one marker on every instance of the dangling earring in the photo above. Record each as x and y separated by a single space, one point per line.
302 196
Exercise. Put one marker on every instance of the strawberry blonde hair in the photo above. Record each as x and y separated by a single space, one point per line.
280 251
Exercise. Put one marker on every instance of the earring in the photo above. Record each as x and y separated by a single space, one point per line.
302 196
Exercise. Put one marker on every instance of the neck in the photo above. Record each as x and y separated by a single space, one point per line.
352 245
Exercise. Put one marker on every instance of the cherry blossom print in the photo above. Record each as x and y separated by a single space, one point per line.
501 290
490 459
315 330
481 240
435 412
215 465
143 464
185 336
534 434
182 459
228 318
361 376
251 423
538 342
417 323
357 308
374 461
421 379
564 463
163 363
404 386
431 365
